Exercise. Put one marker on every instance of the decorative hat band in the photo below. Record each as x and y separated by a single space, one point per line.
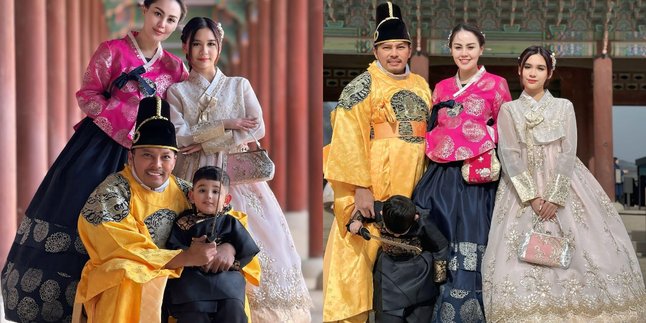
158 116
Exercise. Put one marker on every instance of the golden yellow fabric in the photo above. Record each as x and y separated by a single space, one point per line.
387 166
124 258
359 318
251 271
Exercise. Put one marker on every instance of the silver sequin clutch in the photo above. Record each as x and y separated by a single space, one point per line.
545 248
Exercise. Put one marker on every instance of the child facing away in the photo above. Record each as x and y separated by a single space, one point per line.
410 264
216 292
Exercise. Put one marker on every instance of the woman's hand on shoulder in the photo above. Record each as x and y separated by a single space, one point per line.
240 123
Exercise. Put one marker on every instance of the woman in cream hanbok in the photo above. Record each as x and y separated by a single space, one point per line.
543 181
213 115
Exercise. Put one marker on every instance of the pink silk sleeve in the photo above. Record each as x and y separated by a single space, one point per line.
502 96
96 81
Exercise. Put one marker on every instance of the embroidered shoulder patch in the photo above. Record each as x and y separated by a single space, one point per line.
356 91
409 106
183 185
110 202
159 225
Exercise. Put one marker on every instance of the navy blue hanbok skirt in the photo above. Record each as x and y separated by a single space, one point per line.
44 264
462 212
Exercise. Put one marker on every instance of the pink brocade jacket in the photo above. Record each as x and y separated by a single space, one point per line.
117 114
462 132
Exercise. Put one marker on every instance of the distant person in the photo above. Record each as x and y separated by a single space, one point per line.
619 181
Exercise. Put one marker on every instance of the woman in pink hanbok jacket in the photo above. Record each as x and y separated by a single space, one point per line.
44 264
463 122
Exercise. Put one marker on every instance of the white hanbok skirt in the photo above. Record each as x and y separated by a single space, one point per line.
603 282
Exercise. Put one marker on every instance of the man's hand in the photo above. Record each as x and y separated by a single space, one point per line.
223 260
355 226
199 253
364 202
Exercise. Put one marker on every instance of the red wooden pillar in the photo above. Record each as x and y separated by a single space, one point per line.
297 106
97 16
243 49
264 71
602 87
315 129
234 63
74 66
254 53
31 92
56 79
86 41
278 55
419 65
8 163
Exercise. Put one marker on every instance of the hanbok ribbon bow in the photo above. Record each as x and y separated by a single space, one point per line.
135 74
533 118
454 109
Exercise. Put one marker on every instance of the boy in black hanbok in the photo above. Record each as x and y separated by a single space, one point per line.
216 292
410 264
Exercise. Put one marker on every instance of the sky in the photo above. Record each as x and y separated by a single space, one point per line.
629 132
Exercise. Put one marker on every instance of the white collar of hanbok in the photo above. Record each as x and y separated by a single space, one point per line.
395 76
208 99
140 54
475 78
534 109
202 82
160 189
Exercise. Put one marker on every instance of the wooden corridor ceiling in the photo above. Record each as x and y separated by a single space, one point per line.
125 15
574 28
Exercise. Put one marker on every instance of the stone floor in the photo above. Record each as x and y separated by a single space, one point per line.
317 311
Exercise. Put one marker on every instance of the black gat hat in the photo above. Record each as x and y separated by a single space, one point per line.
154 128
390 26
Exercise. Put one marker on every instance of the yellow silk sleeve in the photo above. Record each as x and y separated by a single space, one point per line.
118 251
251 271
348 154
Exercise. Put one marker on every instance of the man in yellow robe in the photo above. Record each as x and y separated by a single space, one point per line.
125 223
376 151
